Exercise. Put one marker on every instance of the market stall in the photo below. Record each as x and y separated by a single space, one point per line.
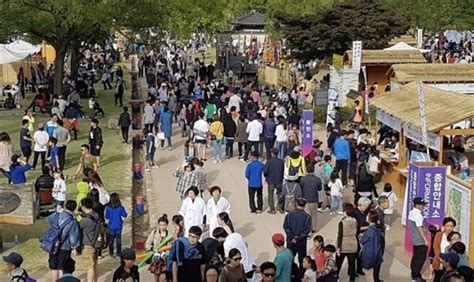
399 110
451 77
378 62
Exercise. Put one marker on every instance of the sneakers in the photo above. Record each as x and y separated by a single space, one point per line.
259 211
387 227
147 169
331 213
281 210
271 211
214 161
170 148
340 213
243 161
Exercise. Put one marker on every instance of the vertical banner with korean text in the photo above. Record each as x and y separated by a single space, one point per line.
356 55
429 183
307 131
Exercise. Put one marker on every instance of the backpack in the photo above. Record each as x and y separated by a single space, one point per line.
51 240
293 170
23 277
178 255
290 198
100 240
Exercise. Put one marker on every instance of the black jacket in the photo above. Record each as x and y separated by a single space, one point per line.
274 170
310 185
229 128
44 181
95 136
297 225
124 120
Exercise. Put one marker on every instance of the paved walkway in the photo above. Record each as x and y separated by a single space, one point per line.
258 229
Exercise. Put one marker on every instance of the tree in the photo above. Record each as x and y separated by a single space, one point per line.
434 16
333 29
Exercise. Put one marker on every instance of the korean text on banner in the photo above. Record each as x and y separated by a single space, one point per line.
356 54
427 182
307 132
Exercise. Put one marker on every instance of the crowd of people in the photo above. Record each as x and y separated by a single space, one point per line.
202 243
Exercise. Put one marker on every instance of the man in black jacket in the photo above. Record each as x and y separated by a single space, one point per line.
297 227
45 180
310 186
382 204
273 172
95 139
124 122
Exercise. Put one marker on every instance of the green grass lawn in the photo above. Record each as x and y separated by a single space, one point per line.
114 170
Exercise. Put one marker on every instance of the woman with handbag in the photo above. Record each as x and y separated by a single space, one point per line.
159 234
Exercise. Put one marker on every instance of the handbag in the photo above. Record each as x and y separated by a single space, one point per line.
160 136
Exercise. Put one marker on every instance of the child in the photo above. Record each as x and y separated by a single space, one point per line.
115 214
54 154
82 188
374 161
392 199
150 141
59 190
92 106
326 171
310 269
189 150
318 243
329 274
178 226
336 188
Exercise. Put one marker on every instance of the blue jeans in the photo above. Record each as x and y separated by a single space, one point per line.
115 235
229 147
217 149
336 203
281 149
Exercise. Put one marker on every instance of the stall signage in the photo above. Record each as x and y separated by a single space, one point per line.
307 131
429 183
414 134
388 120
458 206
356 54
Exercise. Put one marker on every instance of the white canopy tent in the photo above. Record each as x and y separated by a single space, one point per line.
400 46
17 51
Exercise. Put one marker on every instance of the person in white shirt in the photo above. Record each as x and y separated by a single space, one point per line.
420 243
216 205
235 101
200 131
235 240
193 209
59 190
280 134
40 139
149 116
254 129
392 199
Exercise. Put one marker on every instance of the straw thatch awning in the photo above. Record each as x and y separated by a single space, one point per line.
387 57
442 108
407 38
405 73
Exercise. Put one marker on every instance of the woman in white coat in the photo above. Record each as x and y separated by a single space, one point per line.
192 209
214 207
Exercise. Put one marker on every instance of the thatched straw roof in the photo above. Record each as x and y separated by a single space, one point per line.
405 73
386 57
407 38
442 108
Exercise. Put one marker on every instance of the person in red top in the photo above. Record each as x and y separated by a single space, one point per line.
318 254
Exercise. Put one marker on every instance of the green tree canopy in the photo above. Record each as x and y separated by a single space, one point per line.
333 29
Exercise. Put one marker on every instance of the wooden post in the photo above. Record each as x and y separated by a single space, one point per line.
440 156
471 227
377 125
401 150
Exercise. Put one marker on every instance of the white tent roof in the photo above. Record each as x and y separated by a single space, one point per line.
17 51
400 46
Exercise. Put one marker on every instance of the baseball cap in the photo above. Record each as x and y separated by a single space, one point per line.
14 258
15 157
297 149
128 254
278 238
450 257
301 202
419 201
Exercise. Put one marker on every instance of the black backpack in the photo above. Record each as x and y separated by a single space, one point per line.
100 240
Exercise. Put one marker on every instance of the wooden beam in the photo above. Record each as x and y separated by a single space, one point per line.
466 131
440 155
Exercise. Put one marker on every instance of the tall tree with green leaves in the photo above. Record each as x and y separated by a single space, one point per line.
333 29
